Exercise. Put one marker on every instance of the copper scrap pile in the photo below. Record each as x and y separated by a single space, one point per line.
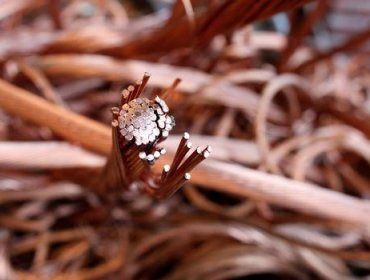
281 96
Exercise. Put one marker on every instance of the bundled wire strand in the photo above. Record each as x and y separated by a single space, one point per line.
138 126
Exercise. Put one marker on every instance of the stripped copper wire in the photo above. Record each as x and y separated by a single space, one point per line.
139 125
144 81
173 177
171 89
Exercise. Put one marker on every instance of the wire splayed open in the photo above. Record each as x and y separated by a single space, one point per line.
138 126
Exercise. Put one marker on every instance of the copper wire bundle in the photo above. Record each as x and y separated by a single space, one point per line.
138 126
285 194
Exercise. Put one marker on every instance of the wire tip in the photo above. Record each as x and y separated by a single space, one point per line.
166 168
206 154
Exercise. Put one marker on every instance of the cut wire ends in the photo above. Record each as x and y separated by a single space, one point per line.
139 125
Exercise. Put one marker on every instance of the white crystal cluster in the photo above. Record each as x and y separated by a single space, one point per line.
145 120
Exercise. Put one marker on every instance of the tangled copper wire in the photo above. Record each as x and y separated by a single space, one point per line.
301 123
